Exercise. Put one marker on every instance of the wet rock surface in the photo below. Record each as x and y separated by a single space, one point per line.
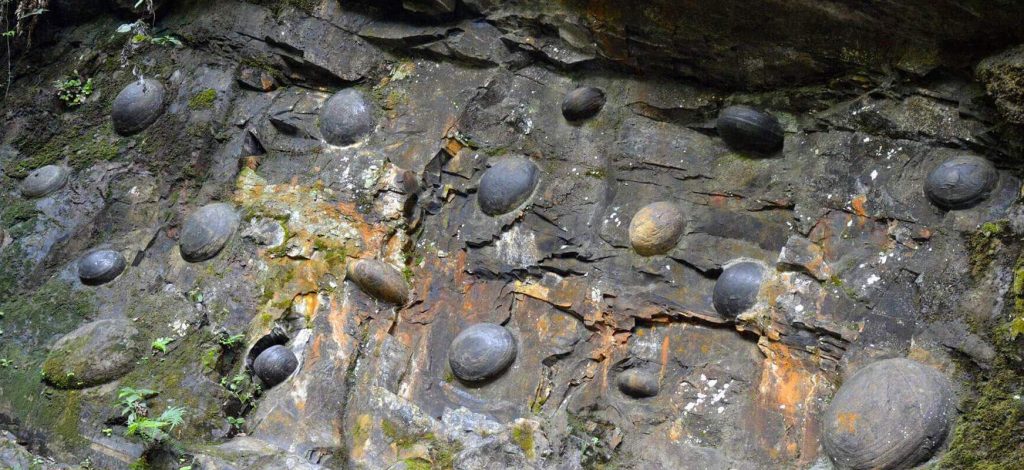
481 352
206 231
94 354
43 181
137 106
506 185
379 280
961 182
100 267
274 365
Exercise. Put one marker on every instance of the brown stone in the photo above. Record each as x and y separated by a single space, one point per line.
656 228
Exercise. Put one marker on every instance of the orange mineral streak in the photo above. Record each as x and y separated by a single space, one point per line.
788 389
848 422
858 208
666 350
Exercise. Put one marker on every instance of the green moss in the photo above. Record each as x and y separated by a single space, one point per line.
203 100
598 173
16 212
984 243
522 435
416 464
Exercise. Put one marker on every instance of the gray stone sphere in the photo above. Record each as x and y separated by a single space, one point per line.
582 103
638 383
379 280
43 181
655 228
747 129
100 267
206 231
275 364
736 289
137 106
481 352
506 185
961 182
346 117
94 354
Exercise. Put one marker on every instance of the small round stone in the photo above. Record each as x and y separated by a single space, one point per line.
43 181
100 267
656 228
506 185
736 289
379 280
638 383
137 106
582 103
481 352
275 364
206 231
747 129
961 182
346 117
94 354
891 414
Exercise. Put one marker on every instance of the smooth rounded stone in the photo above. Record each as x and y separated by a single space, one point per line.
506 185
891 414
656 228
482 351
100 267
582 103
379 280
736 289
137 106
346 117
747 129
275 364
638 383
94 354
43 181
206 231
961 182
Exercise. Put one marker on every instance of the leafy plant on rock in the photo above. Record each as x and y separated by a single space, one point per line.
74 90
139 424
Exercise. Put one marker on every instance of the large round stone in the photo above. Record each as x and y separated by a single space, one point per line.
638 383
656 228
891 414
137 106
43 181
582 103
481 352
94 354
747 129
100 267
275 364
206 231
379 280
506 185
736 289
961 182
346 117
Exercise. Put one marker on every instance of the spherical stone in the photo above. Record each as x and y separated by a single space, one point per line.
94 354
206 231
582 103
482 351
638 383
43 181
736 289
747 129
137 106
346 117
961 182
891 414
275 364
506 185
656 228
100 267
379 280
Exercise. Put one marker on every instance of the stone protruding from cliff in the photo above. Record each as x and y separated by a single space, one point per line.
137 106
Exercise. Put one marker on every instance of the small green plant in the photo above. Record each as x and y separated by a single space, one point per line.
236 422
231 341
139 424
107 432
5 363
160 344
73 91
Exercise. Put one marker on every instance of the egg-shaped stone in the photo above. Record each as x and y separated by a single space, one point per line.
43 181
638 383
481 352
275 364
582 103
891 414
506 185
206 231
736 289
379 280
94 354
137 106
100 267
747 129
961 182
346 117
656 228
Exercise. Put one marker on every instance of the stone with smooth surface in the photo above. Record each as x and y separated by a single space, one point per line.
43 181
481 352
94 354
961 182
582 103
275 364
137 106
100 267
379 280
346 117
206 231
638 383
748 129
656 228
736 289
506 185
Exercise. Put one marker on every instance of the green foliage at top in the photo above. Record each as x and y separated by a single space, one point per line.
73 91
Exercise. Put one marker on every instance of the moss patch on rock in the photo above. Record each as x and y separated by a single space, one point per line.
203 100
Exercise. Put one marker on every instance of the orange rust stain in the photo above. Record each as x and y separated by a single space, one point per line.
664 355
848 421
788 388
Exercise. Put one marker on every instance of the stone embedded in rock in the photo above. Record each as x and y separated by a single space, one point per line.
747 129
891 414
100 267
656 228
206 231
43 181
94 354
961 182
582 103
379 280
346 117
736 289
275 364
137 106
638 383
481 352
506 185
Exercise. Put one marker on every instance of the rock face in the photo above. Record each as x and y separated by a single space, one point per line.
94 354
655 229
747 129
206 231
961 182
379 280
638 383
506 185
736 289
43 181
481 352
137 106
275 364
346 117
582 103
100 267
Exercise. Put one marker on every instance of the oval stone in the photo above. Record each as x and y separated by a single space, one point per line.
638 383
275 364
582 103
736 289
656 228
346 117
506 185
961 182
379 280
100 267
481 352
747 129
94 354
206 231
137 106
890 414
43 181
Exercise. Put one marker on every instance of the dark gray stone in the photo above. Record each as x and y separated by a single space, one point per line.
206 231
43 181
94 354
506 185
747 129
638 383
275 364
346 117
737 287
100 267
655 228
582 103
137 106
379 280
961 182
481 352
